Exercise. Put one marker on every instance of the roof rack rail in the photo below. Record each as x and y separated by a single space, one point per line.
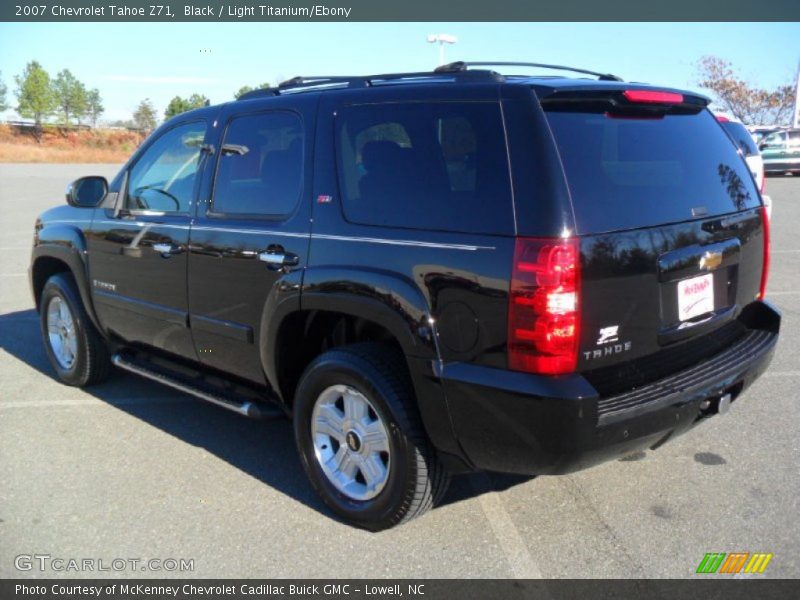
259 93
462 67
325 82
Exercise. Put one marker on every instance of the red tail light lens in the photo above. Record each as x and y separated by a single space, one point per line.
543 309
765 271
650 96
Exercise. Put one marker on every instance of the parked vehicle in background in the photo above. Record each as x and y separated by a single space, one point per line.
433 272
781 152
747 146
759 132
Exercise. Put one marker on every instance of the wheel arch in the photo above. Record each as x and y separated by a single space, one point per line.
339 307
49 259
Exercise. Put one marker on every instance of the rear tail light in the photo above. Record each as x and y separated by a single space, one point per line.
765 271
653 97
543 310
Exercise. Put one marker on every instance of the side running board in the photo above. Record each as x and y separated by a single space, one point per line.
238 404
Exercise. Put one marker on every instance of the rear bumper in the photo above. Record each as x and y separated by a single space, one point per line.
517 423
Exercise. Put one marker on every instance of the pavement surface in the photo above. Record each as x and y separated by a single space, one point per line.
133 470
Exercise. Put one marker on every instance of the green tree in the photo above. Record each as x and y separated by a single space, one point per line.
246 88
180 105
752 105
94 106
34 96
71 96
3 90
145 115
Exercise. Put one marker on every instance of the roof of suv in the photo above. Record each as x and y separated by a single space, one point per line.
460 73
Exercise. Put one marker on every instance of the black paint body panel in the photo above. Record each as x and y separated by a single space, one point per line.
443 296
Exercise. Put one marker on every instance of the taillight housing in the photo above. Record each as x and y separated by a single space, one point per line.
544 306
765 269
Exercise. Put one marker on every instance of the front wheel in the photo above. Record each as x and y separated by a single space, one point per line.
361 440
74 347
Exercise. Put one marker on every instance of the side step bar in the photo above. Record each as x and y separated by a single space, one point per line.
243 406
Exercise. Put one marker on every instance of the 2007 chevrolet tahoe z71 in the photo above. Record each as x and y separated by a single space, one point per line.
430 272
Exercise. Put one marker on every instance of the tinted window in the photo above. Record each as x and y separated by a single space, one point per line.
636 172
425 165
163 177
741 137
260 168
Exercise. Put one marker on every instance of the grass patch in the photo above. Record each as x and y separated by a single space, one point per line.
59 146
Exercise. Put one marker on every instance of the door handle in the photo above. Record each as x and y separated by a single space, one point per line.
166 250
279 259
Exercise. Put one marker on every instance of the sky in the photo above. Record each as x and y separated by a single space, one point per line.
128 62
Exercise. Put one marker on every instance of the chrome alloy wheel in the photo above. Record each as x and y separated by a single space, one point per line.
61 332
350 442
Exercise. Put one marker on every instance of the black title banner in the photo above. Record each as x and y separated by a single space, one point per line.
708 588
403 10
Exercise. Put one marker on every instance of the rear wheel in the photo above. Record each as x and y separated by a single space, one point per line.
75 349
361 440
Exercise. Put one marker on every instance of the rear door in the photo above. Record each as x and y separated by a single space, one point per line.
138 250
249 242
672 240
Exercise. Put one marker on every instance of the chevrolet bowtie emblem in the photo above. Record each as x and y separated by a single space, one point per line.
711 260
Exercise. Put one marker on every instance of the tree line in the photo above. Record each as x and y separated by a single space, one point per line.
66 99
146 117
40 97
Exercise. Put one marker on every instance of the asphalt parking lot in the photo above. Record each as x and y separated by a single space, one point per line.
130 469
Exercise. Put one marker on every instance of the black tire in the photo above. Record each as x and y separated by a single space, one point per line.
92 362
416 478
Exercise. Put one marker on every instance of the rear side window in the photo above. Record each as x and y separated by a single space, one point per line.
741 137
625 173
439 166
260 167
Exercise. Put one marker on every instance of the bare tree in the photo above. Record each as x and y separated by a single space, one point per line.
749 104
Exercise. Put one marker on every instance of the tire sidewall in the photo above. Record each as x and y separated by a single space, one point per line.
333 371
59 286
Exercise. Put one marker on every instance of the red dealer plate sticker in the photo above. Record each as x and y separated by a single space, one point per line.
695 297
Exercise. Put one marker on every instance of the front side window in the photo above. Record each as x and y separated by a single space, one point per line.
438 165
260 170
163 178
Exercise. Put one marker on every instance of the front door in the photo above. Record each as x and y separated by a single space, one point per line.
250 239
138 250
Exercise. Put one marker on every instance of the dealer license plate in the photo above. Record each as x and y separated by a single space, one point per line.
695 297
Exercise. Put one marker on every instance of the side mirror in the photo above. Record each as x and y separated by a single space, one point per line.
761 146
87 192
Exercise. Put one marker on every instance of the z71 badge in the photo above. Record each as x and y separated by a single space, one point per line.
608 338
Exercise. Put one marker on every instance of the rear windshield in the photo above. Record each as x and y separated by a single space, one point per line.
625 173
741 137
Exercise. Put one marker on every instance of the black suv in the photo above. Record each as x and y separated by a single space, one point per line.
432 272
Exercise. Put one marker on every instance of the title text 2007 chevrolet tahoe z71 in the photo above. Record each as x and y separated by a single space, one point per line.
431 272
